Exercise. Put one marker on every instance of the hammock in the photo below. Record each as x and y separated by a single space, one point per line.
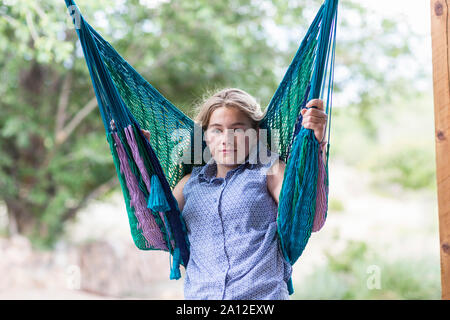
148 170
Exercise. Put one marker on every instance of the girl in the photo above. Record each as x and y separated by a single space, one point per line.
230 204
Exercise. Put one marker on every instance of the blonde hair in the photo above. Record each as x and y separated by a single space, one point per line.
229 97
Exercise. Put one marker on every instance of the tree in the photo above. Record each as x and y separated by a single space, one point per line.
54 157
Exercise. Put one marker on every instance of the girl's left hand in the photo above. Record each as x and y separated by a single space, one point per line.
315 119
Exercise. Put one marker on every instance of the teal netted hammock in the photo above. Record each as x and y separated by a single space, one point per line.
148 170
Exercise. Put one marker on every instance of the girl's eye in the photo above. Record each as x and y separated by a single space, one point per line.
237 130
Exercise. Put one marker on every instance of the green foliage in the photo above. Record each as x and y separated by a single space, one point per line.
408 165
347 273
405 154
51 163
335 205
398 148
343 263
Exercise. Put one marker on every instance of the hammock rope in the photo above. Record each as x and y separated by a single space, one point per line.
149 169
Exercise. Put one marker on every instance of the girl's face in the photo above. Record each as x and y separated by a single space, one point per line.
229 136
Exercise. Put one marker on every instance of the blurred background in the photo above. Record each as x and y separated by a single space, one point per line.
64 231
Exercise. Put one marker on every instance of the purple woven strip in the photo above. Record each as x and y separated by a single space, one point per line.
321 199
137 157
161 214
146 222
131 139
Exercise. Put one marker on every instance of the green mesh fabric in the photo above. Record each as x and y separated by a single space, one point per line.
125 96
283 111
137 236
152 112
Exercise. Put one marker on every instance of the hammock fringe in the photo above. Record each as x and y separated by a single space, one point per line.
175 268
147 172
157 199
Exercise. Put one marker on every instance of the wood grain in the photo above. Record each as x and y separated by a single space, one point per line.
440 37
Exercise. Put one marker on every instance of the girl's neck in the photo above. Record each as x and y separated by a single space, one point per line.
222 170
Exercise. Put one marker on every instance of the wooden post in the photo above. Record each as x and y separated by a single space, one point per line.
440 37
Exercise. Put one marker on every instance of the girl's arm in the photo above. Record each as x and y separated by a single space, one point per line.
314 119
178 191
275 179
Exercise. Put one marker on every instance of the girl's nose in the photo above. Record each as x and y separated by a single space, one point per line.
228 137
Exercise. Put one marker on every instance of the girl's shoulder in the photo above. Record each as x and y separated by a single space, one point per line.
190 177
194 172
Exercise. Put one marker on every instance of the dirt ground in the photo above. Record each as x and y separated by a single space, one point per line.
98 260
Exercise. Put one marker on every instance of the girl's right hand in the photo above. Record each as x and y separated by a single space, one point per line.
315 118
112 124
145 132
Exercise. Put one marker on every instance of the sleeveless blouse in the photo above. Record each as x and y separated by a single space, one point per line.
232 230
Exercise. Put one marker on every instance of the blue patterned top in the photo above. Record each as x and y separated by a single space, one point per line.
232 230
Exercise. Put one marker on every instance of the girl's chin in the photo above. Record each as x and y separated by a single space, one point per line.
228 159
